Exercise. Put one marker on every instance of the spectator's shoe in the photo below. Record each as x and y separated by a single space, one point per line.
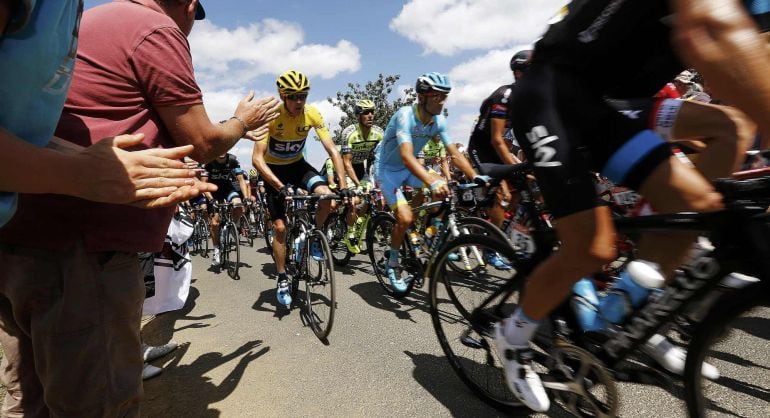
396 282
215 261
499 262
150 353
672 358
315 251
521 379
283 293
149 371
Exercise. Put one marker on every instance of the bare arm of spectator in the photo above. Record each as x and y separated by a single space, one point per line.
189 124
103 172
720 40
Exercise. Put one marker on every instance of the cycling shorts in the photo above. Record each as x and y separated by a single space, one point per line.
227 193
297 174
568 130
390 179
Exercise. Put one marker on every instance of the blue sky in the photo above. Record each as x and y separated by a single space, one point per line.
244 44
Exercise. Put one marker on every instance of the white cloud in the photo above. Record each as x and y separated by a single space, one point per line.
316 154
233 57
460 126
446 27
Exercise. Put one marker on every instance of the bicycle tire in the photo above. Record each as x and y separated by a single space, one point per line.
474 225
245 232
233 245
467 338
320 292
335 228
715 330
268 233
377 241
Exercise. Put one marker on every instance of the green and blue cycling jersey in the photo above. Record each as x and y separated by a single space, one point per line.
404 127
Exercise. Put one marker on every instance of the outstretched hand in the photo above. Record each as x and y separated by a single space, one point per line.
106 172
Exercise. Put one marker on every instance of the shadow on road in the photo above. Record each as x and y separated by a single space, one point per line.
267 303
373 294
187 391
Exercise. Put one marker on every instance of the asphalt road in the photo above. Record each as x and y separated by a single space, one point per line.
242 356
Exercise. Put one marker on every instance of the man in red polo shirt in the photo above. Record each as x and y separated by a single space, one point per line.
72 287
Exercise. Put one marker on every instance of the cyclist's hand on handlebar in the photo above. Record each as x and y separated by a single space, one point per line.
482 180
347 194
439 188
286 192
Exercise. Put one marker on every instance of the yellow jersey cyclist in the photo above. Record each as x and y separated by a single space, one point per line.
358 143
279 159
396 164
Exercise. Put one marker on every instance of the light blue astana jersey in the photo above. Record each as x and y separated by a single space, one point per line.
405 127
38 56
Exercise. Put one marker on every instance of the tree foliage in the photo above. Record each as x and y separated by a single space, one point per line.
379 91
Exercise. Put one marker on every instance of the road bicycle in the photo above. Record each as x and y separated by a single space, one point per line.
229 248
199 241
578 371
318 274
435 224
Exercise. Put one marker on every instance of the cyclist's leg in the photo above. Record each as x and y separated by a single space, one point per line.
316 184
503 199
235 197
215 229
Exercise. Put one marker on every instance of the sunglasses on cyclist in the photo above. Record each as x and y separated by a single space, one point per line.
367 112
437 96
296 96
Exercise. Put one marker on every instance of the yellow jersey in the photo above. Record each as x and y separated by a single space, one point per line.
287 136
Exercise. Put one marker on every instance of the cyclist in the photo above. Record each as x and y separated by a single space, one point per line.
358 143
492 140
225 171
279 159
433 157
396 164
560 107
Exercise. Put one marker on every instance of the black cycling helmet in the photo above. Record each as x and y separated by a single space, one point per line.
520 60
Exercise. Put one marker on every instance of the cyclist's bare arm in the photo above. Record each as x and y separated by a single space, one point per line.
704 31
445 168
190 124
331 149
497 132
347 160
258 160
244 186
460 161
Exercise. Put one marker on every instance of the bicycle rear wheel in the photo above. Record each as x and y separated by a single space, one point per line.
320 294
336 228
232 249
244 232
464 308
734 338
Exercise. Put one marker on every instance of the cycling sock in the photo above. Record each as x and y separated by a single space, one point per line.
393 258
282 276
520 328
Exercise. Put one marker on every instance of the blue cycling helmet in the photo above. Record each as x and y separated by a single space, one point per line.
433 82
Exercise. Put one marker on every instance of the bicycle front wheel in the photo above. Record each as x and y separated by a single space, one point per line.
734 338
336 228
232 249
320 294
245 231
464 308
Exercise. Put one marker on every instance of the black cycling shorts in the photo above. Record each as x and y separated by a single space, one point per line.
297 174
227 193
568 130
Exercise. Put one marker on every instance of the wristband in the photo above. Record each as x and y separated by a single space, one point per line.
436 184
245 128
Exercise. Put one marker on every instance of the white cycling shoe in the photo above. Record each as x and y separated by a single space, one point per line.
521 379
672 358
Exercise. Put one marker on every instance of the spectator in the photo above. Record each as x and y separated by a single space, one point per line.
147 178
133 72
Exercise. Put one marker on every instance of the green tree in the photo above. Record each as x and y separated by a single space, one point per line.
378 91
